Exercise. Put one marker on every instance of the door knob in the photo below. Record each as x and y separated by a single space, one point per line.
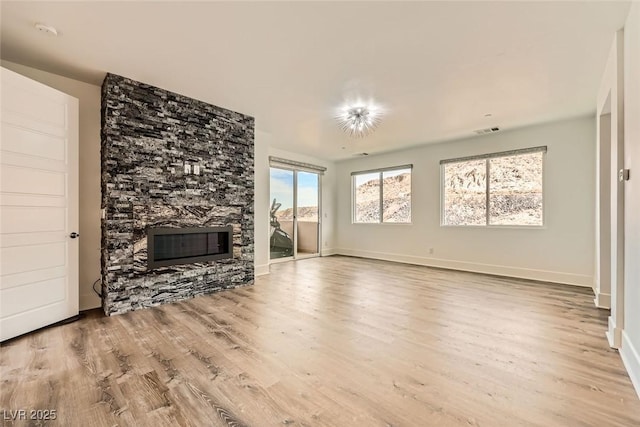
74 235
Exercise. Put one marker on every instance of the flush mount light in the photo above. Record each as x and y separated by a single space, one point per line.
46 29
359 121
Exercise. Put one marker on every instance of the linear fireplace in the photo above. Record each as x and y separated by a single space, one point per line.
170 246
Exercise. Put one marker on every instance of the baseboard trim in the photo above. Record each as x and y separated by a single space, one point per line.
499 270
614 334
631 359
328 252
602 300
261 270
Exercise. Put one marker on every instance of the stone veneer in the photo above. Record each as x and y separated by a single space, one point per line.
148 134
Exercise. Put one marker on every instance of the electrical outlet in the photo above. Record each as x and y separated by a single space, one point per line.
430 251
196 169
187 168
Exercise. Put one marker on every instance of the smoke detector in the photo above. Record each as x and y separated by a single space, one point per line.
487 130
48 29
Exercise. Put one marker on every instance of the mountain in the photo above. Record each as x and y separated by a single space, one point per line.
305 213
397 199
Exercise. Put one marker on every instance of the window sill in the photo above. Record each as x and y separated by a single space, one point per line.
381 223
516 227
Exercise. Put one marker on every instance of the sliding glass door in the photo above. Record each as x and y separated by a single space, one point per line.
282 195
295 214
307 215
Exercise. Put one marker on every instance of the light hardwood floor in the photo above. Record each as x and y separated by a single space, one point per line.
334 342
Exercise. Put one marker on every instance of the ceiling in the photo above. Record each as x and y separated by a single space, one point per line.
437 68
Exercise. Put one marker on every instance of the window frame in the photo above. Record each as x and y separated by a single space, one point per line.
380 172
487 157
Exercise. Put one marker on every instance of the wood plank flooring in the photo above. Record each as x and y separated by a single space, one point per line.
333 342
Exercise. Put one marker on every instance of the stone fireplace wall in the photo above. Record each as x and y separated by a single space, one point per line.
148 134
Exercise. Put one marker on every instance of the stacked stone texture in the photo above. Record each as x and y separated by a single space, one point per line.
148 134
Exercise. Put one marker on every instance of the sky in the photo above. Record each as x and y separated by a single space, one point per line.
282 188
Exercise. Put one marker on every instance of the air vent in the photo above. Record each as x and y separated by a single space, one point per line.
487 130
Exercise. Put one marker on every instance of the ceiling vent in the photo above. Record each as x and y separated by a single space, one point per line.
487 130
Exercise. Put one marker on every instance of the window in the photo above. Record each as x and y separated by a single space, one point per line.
494 189
382 196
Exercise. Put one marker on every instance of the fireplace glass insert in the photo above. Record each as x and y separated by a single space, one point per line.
169 246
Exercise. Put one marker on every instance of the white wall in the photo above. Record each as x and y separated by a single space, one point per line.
89 174
609 192
261 201
610 100
563 251
630 349
602 284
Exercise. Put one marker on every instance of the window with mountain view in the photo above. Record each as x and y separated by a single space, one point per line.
495 189
382 196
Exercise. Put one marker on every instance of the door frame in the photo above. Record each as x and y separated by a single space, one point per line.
609 280
318 253
295 255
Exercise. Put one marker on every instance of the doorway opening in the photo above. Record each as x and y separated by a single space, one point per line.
610 220
295 213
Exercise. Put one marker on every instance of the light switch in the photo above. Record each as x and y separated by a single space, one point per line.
196 169
187 168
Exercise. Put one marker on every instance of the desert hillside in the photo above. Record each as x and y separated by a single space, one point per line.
397 202
515 194
397 199
515 191
305 213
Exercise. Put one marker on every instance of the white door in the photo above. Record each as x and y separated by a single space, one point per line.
38 205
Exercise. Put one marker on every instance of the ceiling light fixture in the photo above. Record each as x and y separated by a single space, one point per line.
359 121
